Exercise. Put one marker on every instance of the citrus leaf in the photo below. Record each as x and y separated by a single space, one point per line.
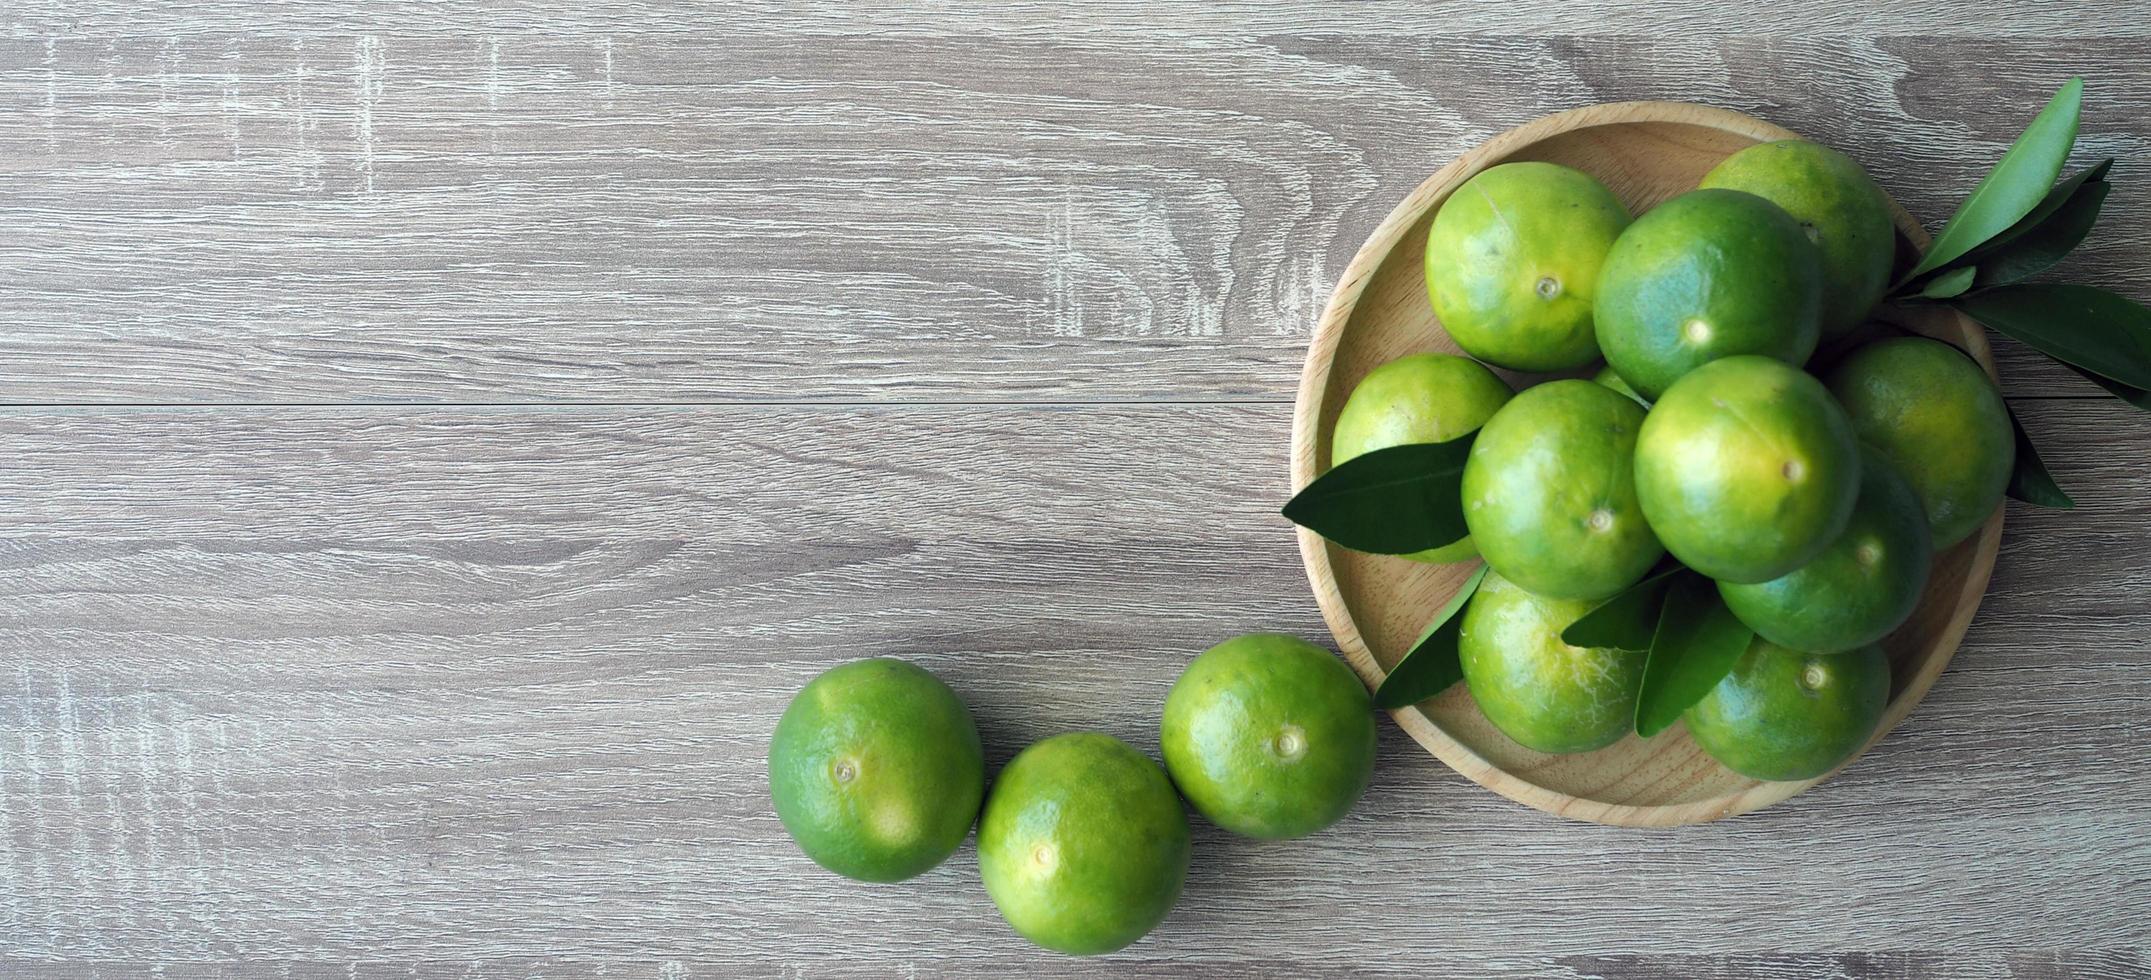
2097 330
1697 643
1431 665
2037 250
1626 621
2052 202
2016 185
2030 482
1391 501
2134 396
1951 283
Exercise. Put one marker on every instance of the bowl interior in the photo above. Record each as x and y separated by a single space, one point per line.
1377 605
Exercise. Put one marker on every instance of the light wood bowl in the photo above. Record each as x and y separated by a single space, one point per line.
1376 604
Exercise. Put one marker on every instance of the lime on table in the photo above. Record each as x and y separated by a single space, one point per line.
1746 468
1837 205
1512 264
1862 587
1786 715
1269 736
1549 492
876 770
1934 413
1708 274
1416 399
1540 691
1083 845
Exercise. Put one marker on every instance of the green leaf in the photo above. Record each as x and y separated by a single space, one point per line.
1391 501
1951 283
2030 482
2037 250
2084 326
2134 396
2016 185
2052 202
1626 621
1431 665
1697 643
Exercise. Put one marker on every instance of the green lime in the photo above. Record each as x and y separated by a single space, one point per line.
1786 715
1419 398
1543 693
1612 379
1513 264
1861 587
1708 274
876 770
1550 495
1746 468
1269 736
1937 415
1840 208
1083 845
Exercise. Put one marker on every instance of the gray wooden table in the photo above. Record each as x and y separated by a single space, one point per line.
440 437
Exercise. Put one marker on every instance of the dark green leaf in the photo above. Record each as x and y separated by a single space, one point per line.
2052 202
1951 283
2030 482
1697 643
2059 224
1626 621
1391 501
1431 665
2091 328
2037 250
2134 396
2016 185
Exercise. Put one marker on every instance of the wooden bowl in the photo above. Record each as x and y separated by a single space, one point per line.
1376 604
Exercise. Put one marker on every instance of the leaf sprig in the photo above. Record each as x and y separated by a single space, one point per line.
1432 664
1696 644
1392 501
2018 223
2016 185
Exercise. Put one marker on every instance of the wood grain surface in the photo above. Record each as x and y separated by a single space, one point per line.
227 216
441 437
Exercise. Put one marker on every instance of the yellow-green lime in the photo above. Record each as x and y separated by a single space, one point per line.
1414 399
1837 205
1512 264
1862 587
1932 411
876 770
1083 845
1708 274
1543 693
1746 469
1786 715
1269 736
1549 492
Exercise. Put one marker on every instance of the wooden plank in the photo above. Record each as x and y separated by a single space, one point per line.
1895 965
413 692
2074 964
230 216
1141 18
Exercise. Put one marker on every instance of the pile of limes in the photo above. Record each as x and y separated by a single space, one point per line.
1816 504
877 771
